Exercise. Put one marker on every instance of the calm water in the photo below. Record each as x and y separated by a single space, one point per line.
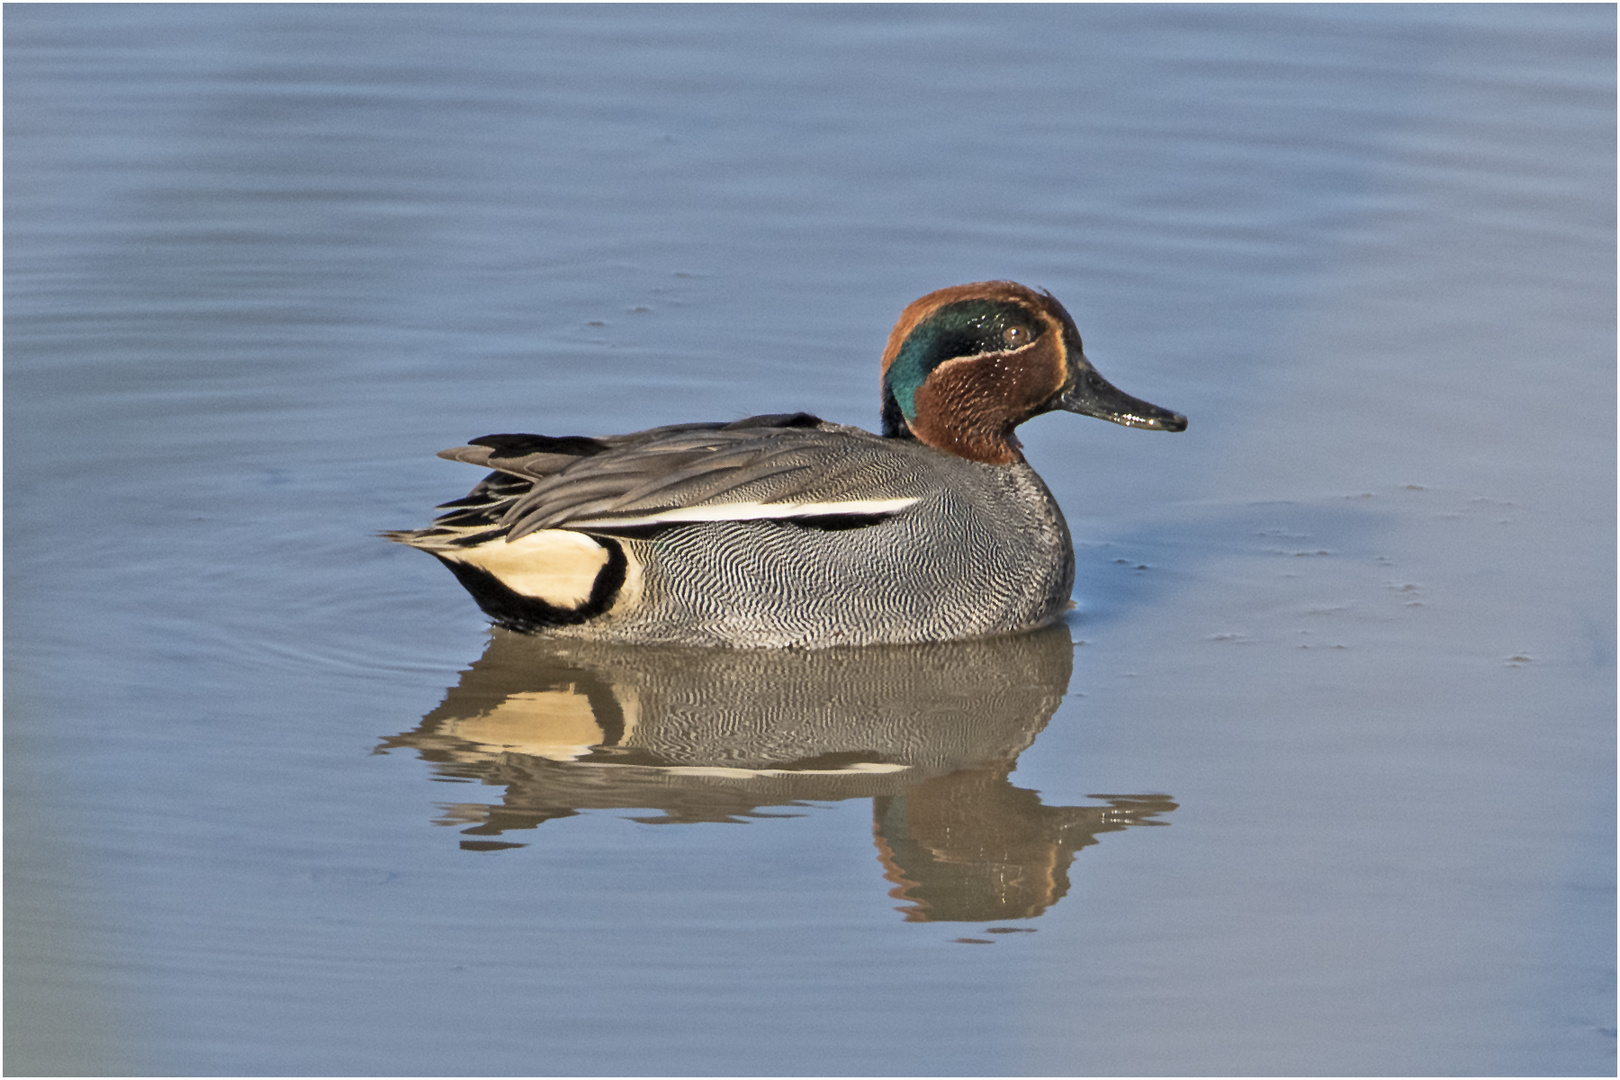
1319 777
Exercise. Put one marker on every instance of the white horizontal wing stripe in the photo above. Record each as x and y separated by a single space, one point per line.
746 512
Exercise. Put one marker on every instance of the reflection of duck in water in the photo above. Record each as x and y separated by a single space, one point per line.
787 530
931 732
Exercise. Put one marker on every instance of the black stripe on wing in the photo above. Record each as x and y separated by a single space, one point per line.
813 522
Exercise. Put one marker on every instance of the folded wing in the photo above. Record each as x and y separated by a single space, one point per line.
765 467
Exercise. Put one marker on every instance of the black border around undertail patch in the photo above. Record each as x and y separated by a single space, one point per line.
518 612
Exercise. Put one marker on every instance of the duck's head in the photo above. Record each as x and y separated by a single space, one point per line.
968 364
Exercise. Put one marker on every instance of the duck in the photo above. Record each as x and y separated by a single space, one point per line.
788 531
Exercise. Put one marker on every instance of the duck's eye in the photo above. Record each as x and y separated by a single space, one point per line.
1014 336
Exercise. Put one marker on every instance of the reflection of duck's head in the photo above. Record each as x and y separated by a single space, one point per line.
971 847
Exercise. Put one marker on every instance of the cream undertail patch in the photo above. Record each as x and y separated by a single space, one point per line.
556 565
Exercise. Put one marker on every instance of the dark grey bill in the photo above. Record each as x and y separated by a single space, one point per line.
1092 395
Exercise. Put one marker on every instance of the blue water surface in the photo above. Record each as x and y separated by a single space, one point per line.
277 801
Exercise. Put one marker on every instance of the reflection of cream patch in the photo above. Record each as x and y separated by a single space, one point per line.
553 565
555 724
751 512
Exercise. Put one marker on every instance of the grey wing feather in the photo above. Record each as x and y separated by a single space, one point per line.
693 465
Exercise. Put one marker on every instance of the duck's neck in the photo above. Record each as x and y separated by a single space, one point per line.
987 446
981 439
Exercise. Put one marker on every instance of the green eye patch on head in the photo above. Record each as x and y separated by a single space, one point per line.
963 328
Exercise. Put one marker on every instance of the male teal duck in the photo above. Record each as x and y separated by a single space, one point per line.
786 530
